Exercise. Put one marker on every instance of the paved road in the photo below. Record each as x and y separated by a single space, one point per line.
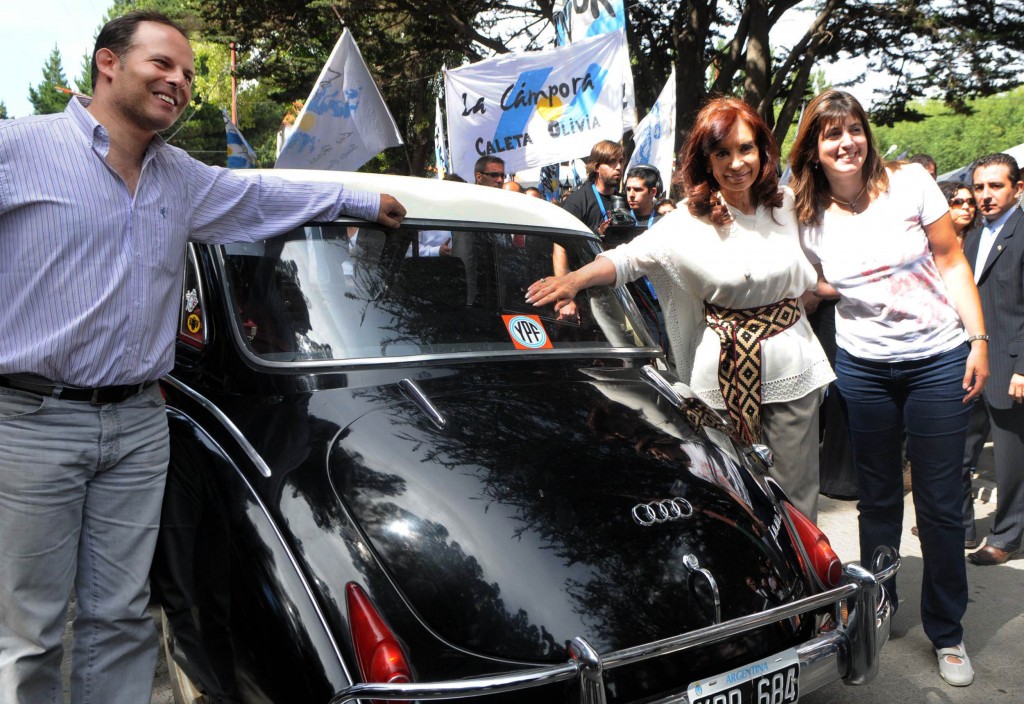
994 623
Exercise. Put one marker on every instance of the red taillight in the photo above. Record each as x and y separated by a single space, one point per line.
824 560
380 656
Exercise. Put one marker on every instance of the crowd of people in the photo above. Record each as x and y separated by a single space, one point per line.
924 359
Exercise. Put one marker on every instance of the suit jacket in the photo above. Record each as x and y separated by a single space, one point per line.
1002 301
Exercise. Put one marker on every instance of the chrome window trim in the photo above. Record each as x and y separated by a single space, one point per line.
420 398
431 359
192 264
239 437
342 365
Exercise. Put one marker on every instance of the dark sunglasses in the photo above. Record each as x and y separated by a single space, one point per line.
960 202
493 174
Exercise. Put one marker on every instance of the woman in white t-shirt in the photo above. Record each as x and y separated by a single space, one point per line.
729 274
912 345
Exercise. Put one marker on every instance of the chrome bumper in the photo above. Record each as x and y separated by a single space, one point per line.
849 652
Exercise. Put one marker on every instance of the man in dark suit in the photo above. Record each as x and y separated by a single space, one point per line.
996 251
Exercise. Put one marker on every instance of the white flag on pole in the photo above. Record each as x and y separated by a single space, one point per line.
536 108
589 19
344 122
655 135
585 20
440 148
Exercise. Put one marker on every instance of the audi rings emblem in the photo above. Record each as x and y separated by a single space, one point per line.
660 511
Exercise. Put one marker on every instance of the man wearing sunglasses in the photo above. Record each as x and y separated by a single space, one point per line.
489 171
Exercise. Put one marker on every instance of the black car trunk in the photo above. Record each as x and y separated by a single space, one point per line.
538 532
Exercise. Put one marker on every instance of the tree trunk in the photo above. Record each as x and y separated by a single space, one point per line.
693 21
759 58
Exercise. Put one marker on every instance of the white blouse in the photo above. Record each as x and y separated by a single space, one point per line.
754 261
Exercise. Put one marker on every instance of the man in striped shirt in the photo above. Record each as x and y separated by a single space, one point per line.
95 212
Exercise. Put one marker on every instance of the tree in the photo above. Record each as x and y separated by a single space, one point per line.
83 83
47 97
3 111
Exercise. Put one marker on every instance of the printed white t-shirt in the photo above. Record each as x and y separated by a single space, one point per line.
894 305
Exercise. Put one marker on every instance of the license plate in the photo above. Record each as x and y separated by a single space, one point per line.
774 680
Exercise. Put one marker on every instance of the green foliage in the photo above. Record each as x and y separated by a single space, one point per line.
955 139
200 132
83 83
3 111
46 98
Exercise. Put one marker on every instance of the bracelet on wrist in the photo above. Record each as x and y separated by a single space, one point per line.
972 338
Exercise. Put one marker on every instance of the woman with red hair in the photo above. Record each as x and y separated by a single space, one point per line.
729 273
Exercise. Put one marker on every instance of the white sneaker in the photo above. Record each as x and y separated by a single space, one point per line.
954 665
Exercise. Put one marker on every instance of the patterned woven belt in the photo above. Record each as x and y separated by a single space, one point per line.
740 333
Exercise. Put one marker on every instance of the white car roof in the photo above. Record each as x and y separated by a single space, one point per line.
432 199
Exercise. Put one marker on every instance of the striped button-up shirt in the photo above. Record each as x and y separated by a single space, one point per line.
90 275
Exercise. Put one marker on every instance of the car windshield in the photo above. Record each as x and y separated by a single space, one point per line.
337 292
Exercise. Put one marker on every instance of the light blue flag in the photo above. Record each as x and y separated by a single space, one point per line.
577 180
548 183
240 154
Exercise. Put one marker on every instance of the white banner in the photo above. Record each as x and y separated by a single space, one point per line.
536 108
344 122
440 148
655 136
588 18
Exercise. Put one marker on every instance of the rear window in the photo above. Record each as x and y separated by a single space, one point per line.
336 292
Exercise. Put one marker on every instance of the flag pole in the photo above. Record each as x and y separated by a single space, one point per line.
234 88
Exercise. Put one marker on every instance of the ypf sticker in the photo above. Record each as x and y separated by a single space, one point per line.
526 332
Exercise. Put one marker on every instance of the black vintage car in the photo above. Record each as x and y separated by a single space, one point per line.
394 479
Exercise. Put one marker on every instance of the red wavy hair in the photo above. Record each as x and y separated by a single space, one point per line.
713 125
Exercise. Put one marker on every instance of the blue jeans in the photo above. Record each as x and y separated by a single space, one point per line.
925 398
80 494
